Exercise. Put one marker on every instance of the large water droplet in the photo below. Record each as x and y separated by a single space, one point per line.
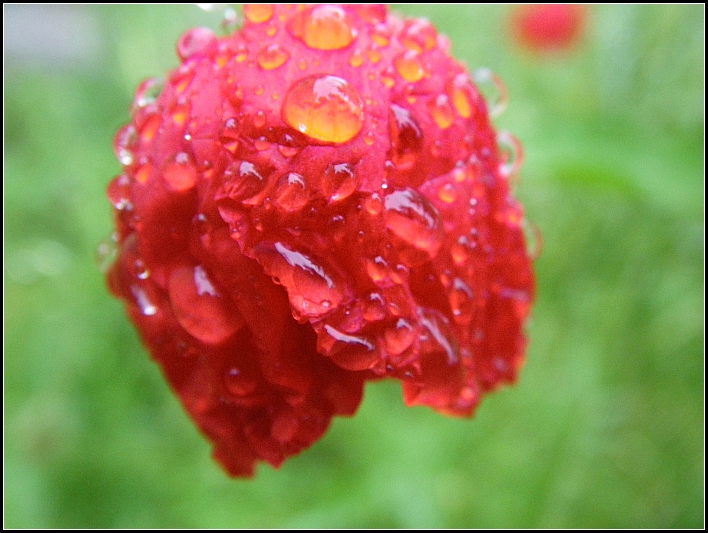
324 27
195 41
419 35
124 143
400 337
461 302
272 56
339 182
238 383
180 172
406 138
324 107
118 193
258 13
411 217
511 154
313 291
147 93
107 252
242 180
461 95
409 66
291 193
351 352
199 307
441 111
493 89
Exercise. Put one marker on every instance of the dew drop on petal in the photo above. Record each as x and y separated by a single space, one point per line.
411 217
230 135
195 41
441 111
147 307
272 57
118 193
351 352
339 182
291 193
461 302
238 383
399 338
461 95
511 154
180 172
199 307
242 180
147 93
324 107
493 90
406 138
419 35
324 27
258 13
409 66
124 143
357 59
107 252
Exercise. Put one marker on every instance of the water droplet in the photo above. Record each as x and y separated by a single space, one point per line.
406 138
461 302
387 80
118 193
437 329
180 172
369 138
259 90
180 113
419 35
107 252
399 338
375 308
308 284
258 13
325 108
124 143
511 154
379 271
141 269
150 126
357 59
351 352
147 307
339 182
230 135
460 251
272 56
441 111
147 93
302 64
374 55
199 307
195 42
373 204
288 146
534 239
411 217
409 66
144 173
230 21
291 193
461 93
447 193
493 90
261 144
324 27
242 181
239 384
259 119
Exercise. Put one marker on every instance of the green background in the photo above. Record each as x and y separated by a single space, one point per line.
606 425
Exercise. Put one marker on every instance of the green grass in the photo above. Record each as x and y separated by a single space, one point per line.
606 425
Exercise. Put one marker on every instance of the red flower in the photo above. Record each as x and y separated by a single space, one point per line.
548 28
312 202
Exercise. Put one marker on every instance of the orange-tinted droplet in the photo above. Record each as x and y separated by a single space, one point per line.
461 96
441 111
419 35
409 66
180 113
150 127
180 172
230 135
357 59
272 56
324 107
324 27
406 138
258 13
143 174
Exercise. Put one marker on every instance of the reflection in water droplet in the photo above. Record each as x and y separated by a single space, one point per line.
441 111
409 66
258 13
107 252
410 216
180 172
399 338
242 180
118 193
324 107
339 182
406 138
141 299
419 35
511 154
493 90
291 193
230 135
324 27
147 93
272 56
195 41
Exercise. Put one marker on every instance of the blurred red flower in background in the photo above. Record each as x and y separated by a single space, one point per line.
548 28
317 200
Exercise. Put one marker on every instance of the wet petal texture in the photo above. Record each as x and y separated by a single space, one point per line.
312 202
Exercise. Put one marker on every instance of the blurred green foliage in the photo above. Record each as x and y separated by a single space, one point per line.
604 429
